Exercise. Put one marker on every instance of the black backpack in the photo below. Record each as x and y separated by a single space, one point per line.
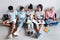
5 17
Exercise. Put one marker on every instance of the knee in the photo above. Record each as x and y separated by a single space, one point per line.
13 22
47 22
3 22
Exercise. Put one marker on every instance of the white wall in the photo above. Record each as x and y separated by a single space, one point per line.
46 3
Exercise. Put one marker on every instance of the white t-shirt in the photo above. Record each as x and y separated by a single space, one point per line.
21 15
12 14
30 13
39 15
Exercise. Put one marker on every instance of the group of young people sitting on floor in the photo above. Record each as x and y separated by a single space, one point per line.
35 19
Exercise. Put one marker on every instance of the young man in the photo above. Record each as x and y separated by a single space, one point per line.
12 20
21 19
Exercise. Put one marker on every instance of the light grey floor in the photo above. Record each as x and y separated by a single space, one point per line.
54 34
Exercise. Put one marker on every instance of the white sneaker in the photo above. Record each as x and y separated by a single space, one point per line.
16 33
10 36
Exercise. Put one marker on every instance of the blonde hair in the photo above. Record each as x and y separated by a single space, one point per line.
52 8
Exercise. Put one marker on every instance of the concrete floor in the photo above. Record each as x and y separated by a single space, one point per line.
54 34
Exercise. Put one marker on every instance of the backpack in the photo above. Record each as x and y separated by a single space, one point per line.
5 17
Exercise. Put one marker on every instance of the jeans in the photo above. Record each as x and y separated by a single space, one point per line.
47 22
30 26
20 23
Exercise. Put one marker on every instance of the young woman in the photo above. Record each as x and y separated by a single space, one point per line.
38 19
30 14
50 14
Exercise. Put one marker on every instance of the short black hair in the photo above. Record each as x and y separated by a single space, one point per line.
21 8
41 6
30 6
10 7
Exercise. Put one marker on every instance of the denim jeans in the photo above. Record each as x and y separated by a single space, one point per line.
53 23
20 23
47 22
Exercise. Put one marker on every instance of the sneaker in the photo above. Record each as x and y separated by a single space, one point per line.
38 34
29 34
32 33
16 34
10 36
